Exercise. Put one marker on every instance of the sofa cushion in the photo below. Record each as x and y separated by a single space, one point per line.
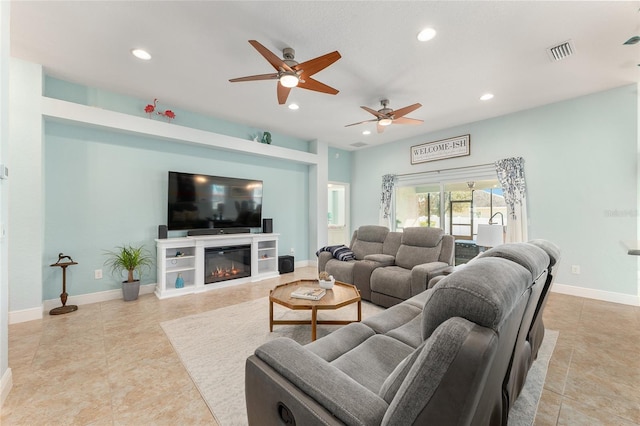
394 317
363 248
552 250
409 333
484 293
341 271
333 389
410 256
371 362
422 237
392 243
340 341
528 255
393 281
372 233
368 240
419 245
382 259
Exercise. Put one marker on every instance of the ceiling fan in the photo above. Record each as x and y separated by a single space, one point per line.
387 116
290 73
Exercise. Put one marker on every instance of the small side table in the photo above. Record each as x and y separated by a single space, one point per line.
64 309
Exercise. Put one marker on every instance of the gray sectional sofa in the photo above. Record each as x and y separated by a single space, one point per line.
390 267
455 354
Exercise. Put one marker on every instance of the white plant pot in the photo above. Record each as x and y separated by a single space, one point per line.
327 284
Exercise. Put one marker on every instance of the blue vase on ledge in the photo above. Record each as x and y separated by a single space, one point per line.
179 281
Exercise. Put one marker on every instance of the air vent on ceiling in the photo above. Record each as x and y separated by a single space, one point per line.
358 144
561 51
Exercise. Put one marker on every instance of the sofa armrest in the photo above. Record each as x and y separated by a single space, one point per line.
422 274
382 259
323 258
348 400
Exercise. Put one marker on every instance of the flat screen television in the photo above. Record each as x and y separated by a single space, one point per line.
199 201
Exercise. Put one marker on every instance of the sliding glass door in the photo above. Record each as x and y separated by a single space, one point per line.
457 207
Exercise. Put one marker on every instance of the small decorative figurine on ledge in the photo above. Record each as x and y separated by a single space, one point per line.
266 138
151 108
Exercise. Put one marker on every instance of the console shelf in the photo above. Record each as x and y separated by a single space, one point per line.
185 256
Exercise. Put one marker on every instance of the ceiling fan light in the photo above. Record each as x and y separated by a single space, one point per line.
289 79
385 121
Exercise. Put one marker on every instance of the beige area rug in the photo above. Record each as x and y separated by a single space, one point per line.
214 345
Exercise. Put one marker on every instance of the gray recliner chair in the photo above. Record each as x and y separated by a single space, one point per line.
441 357
424 253
366 240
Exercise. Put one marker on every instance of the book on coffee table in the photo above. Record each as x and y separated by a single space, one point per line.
309 293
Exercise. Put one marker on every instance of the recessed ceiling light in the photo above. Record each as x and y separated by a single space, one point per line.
366 132
426 34
294 106
486 96
141 54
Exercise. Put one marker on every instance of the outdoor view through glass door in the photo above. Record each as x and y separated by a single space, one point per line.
456 207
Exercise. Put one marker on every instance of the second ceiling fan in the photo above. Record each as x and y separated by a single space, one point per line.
387 116
290 73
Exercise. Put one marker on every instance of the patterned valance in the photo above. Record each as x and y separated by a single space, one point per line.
388 182
510 173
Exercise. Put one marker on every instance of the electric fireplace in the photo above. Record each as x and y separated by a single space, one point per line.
226 263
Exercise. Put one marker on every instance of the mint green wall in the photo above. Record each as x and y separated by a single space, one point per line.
580 165
339 165
64 90
106 189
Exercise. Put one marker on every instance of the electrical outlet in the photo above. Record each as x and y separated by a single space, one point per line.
575 269
292 251
97 274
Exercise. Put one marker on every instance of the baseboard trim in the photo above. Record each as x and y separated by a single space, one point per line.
590 293
81 299
25 315
302 264
6 383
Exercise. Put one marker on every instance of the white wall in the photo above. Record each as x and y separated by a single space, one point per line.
26 192
580 165
5 371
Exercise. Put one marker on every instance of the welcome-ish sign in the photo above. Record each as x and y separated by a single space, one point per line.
439 150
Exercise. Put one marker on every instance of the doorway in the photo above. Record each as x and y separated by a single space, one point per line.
338 214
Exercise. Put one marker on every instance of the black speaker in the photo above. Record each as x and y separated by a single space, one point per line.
285 264
217 231
267 226
162 232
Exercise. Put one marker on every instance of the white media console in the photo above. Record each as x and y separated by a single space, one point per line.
187 256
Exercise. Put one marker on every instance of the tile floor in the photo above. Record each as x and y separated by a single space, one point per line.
110 363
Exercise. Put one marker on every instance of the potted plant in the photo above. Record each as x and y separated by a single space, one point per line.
131 259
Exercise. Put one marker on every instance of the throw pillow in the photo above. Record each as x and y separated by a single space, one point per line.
343 253
327 248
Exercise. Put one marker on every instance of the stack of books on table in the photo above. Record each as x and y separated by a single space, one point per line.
309 293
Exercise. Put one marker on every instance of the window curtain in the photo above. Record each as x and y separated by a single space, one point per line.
388 182
510 173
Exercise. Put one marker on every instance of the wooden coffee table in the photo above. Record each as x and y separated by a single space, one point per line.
339 296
